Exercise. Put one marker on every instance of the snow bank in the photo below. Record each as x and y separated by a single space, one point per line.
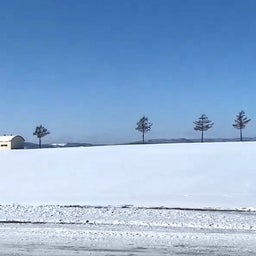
129 217
174 175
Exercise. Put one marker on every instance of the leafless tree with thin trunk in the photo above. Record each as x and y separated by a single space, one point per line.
203 124
143 126
240 122
40 132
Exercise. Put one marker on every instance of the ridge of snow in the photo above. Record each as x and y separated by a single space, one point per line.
132 216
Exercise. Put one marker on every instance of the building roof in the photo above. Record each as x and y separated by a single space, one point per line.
8 138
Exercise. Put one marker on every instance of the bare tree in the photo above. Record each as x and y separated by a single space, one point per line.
240 123
203 124
40 132
143 126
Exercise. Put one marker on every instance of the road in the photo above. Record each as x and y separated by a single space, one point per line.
112 240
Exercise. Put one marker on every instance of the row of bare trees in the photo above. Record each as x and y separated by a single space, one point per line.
202 125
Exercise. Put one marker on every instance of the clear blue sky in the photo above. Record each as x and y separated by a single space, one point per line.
88 70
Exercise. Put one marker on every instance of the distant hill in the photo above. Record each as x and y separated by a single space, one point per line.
184 140
30 145
159 141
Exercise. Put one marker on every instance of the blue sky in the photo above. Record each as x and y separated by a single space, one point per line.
88 70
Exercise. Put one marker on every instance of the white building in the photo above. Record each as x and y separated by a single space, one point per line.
11 142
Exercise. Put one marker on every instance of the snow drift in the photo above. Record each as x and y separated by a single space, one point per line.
173 175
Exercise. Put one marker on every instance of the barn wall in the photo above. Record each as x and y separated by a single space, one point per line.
17 143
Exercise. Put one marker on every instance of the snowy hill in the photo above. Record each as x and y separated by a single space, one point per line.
173 175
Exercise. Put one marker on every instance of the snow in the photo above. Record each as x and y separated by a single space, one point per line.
76 230
208 175
34 240
7 138
130 217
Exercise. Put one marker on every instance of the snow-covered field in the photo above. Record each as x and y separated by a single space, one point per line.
107 200
175 175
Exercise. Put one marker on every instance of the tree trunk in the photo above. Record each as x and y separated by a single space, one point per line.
241 135
202 137
143 138
39 142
